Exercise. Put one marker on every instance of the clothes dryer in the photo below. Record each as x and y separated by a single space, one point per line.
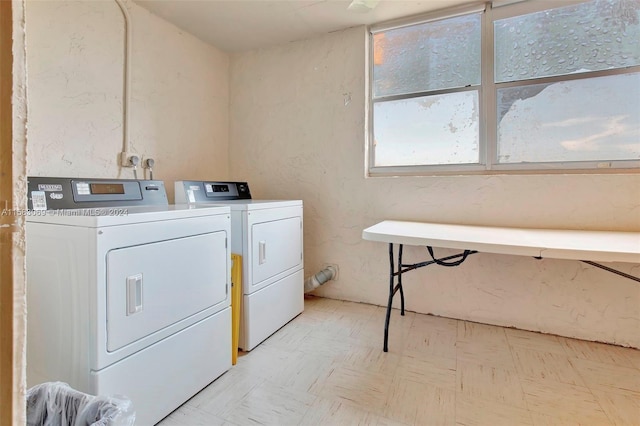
125 293
268 234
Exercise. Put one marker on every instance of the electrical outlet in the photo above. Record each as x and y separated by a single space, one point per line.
148 163
335 268
125 159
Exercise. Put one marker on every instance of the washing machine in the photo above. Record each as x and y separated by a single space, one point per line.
268 234
126 294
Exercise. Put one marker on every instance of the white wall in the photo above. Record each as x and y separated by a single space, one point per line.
179 108
18 169
297 130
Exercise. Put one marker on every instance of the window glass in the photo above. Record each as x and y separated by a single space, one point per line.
562 90
427 130
592 119
590 36
429 56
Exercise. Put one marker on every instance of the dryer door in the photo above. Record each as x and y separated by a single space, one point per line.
152 286
276 248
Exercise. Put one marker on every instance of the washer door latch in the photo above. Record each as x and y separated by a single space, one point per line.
134 294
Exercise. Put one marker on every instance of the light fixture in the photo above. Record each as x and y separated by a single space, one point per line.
363 5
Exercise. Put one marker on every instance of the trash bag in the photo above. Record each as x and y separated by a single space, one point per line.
57 404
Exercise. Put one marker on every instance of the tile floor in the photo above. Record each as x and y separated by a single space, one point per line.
327 367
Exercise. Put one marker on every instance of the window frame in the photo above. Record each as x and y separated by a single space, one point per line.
487 90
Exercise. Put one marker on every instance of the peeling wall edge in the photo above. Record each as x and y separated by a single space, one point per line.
19 168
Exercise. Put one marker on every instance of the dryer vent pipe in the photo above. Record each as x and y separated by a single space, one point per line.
320 278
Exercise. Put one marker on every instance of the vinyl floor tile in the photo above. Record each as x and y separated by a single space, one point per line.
481 412
471 332
427 369
558 403
268 405
601 352
535 341
431 342
191 416
486 353
546 365
326 367
368 358
608 377
362 389
623 408
419 403
302 372
485 382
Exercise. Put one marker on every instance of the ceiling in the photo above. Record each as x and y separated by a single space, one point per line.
240 25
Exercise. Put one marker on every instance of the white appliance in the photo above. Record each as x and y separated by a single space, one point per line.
126 294
268 234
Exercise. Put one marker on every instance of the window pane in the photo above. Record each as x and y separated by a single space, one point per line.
427 130
594 119
430 56
591 36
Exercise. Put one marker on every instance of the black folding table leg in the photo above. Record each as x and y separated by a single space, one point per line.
390 301
455 259
400 280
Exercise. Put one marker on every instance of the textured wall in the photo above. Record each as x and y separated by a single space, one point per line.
19 167
297 130
179 108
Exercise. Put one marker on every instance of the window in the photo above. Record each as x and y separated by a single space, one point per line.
510 88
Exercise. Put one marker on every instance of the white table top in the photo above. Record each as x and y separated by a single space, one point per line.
597 246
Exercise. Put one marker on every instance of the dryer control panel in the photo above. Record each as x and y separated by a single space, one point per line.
197 191
53 193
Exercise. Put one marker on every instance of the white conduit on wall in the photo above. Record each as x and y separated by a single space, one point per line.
318 279
127 76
